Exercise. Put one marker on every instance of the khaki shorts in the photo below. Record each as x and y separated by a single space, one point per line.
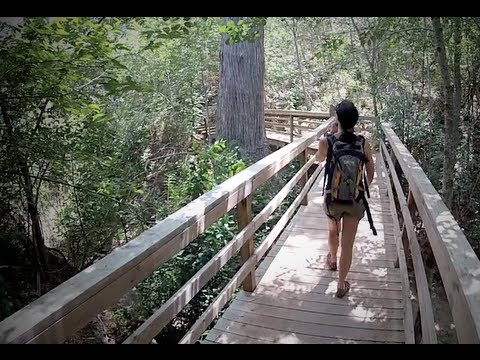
337 211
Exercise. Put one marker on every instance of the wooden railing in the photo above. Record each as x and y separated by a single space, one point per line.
64 310
60 313
294 123
458 265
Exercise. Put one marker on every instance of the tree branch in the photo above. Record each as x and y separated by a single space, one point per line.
90 82
61 182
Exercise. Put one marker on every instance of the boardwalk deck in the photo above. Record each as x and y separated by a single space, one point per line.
295 301
278 139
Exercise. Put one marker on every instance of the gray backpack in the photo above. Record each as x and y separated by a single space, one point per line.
345 180
345 170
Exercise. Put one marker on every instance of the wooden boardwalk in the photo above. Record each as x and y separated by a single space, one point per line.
295 302
277 139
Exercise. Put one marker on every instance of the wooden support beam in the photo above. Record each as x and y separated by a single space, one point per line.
244 217
303 160
291 128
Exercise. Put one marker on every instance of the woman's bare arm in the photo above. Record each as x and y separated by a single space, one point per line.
321 154
370 165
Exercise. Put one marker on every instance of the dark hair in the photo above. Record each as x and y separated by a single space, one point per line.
347 114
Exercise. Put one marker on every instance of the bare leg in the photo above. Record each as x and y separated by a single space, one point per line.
333 229
349 230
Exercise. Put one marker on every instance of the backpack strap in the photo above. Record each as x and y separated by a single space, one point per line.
362 140
330 141
369 215
364 199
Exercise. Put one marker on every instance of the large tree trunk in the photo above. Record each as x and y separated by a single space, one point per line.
449 144
241 95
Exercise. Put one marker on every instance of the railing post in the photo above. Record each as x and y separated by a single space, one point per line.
291 128
411 208
302 157
244 217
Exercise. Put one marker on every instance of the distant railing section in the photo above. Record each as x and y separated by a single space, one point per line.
293 123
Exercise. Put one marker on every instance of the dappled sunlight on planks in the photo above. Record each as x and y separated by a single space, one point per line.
295 300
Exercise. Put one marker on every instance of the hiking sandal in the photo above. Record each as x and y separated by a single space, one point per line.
341 292
330 264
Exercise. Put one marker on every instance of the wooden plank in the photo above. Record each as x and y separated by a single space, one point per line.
214 308
208 342
317 262
319 230
328 290
263 334
227 337
272 129
411 208
365 258
379 210
305 128
301 315
244 217
429 335
298 113
291 128
296 120
279 226
456 260
408 312
313 329
303 159
298 241
275 278
312 115
300 269
280 140
312 302
322 218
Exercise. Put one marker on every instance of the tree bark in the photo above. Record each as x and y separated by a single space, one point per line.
457 79
241 119
449 115
40 259
300 67
373 68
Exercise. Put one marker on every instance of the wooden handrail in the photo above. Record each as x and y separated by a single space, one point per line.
425 303
61 312
289 122
457 263
407 302
298 113
226 294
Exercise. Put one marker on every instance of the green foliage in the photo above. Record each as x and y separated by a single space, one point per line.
206 168
242 29
52 98
165 28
